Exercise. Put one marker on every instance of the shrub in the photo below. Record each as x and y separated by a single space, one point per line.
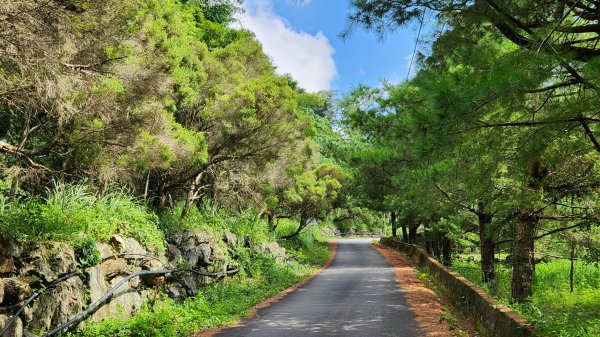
87 253
247 224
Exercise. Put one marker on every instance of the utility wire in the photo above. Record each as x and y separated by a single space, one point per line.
412 57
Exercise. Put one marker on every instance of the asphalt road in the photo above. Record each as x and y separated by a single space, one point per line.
356 296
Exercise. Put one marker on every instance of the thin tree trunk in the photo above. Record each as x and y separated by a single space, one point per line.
436 247
446 251
572 271
487 246
412 234
404 232
394 225
162 198
191 194
147 186
523 249
14 184
429 248
303 223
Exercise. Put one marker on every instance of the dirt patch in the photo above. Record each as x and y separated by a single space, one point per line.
276 298
426 304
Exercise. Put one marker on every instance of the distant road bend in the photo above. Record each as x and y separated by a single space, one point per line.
356 296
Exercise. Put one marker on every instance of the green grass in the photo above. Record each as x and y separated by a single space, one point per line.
247 224
73 213
552 308
308 247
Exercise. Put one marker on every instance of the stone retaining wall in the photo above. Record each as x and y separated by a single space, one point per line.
28 266
497 319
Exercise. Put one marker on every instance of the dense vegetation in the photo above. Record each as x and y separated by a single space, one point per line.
148 117
492 147
145 118
162 101
552 306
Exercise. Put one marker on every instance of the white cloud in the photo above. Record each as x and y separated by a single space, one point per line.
300 3
308 58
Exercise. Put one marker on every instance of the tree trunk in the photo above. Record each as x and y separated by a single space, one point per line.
436 247
487 246
446 251
412 233
523 243
572 270
404 232
163 197
13 189
394 225
303 223
429 248
191 194
270 218
147 186
523 249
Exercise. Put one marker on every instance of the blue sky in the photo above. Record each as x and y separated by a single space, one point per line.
302 39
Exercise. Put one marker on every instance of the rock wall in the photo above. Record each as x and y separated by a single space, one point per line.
198 251
26 268
497 319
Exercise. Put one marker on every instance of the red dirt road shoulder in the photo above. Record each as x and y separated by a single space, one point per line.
425 303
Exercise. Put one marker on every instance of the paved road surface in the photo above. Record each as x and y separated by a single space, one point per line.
355 296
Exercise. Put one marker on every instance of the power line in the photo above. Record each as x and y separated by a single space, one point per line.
412 58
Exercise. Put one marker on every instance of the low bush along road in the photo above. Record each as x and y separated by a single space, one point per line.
355 296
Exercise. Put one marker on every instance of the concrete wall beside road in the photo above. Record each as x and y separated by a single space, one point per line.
497 319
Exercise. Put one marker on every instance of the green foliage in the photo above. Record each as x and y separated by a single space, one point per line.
86 253
552 308
248 224
496 132
70 211
149 152
315 191
307 247
161 101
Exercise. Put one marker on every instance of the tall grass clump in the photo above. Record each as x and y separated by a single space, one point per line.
73 212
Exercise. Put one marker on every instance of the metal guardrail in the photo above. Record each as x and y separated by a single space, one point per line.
361 234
